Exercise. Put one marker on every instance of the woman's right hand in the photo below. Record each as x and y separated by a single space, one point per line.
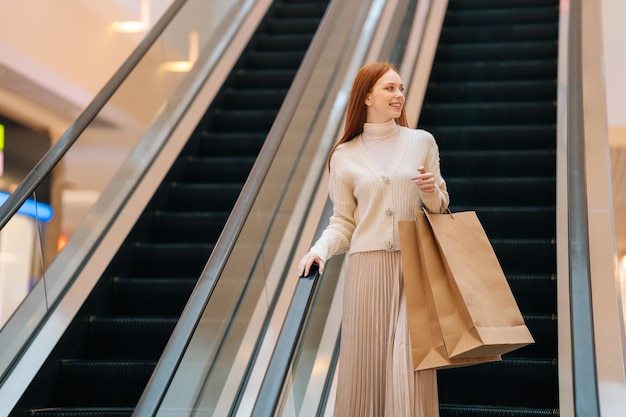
305 264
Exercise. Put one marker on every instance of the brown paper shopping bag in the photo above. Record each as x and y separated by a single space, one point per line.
476 308
427 343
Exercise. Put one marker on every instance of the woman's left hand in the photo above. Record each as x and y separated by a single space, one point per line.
307 261
425 181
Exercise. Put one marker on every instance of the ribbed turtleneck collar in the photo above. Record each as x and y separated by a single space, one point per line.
380 131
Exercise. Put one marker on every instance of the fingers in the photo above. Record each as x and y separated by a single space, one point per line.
304 267
425 181
320 266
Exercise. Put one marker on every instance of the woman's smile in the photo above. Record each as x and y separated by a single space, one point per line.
386 99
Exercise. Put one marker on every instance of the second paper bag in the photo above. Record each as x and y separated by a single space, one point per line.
477 311
427 344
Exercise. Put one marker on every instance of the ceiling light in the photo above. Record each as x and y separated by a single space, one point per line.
178 66
134 26
185 66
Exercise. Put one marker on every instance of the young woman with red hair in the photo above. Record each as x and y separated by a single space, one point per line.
381 171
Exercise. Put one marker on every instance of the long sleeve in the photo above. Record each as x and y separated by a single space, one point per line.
438 201
337 236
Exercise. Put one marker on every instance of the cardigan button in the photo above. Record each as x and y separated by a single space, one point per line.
386 180
389 212
389 246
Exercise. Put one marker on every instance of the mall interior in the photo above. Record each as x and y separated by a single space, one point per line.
163 169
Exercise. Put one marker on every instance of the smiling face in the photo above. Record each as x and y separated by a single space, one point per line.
386 99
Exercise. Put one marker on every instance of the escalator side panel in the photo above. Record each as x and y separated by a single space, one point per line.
107 354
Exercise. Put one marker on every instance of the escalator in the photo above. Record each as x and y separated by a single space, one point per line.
105 358
491 104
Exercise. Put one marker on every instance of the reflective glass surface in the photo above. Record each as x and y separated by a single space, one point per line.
41 255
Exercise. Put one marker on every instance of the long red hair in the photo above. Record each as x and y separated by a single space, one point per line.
357 110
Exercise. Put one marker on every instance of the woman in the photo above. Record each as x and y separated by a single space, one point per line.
380 172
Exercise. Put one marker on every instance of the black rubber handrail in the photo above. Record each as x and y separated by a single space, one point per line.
49 161
269 396
585 380
282 357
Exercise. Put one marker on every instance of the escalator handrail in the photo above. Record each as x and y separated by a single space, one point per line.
585 380
49 161
274 379
180 338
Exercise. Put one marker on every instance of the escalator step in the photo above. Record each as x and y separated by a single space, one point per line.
164 260
535 294
530 256
202 197
490 71
449 410
230 144
498 137
217 169
528 191
504 33
486 4
510 382
295 26
515 222
254 98
83 412
499 163
147 296
103 383
243 120
283 42
544 330
128 338
502 16
297 10
182 227
268 78
486 92
496 51
489 113
260 60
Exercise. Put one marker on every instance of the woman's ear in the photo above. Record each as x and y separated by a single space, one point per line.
368 102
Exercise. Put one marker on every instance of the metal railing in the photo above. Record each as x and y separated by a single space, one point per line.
65 142
585 380
165 122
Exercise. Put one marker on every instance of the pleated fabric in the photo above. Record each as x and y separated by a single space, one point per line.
375 370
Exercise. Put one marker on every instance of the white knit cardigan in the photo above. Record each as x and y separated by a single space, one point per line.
368 202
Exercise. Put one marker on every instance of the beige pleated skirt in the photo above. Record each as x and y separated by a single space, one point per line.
375 371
